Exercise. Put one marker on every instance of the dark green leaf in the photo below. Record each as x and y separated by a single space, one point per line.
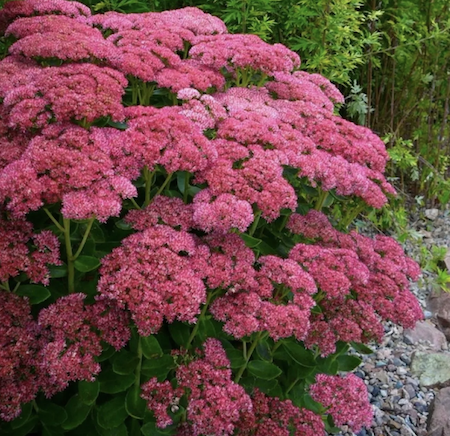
159 367
134 404
88 391
23 417
361 348
263 370
51 414
264 351
125 362
123 225
77 412
150 347
299 354
107 352
181 181
57 271
118 125
35 293
150 429
112 383
348 363
27 427
250 241
48 430
112 413
86 263
121 430
328 366
236 358
180 333
312 405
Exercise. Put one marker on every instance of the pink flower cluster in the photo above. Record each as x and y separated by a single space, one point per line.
361 282
60 347
345 399
216 404
274 417
155 274
69 164
21 250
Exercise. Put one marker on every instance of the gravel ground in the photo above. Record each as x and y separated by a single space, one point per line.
400 403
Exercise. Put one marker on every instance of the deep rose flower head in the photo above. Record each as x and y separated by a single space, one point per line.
68 46
163 210
82 92
215 403
243 51
283 321
240 312
71 343
138 56
190 74
195 20
286 272
111 21
325 85
321 336
27 26
221 213
314 225
293 87
19 347
21 8
12 146
111 322
274 417
16 255
153 275
230 264
161 397
168 138
66 163
345 398
15 72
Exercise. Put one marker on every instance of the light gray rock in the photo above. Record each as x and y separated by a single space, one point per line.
432 214
433 369
439 419
426 331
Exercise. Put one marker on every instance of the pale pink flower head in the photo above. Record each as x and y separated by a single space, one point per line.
345 399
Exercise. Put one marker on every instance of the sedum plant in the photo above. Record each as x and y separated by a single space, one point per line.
175 253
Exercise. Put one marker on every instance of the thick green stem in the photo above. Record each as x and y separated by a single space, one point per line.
70 259
135 204
252 348
200 318
148 177
255 223
50 215
166 182
5 286
85 236
291 386
321 200
186 184
137 377
283 222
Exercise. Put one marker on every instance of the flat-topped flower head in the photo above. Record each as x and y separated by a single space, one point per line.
20 8
345 398
234 52
153 274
